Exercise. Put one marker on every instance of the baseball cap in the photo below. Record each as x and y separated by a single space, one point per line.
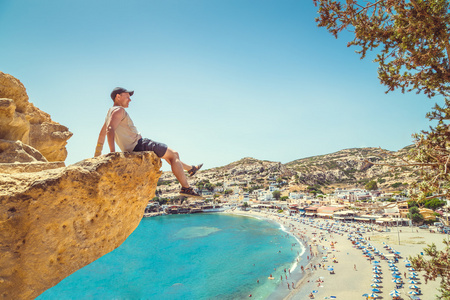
120 90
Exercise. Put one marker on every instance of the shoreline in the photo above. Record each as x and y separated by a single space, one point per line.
353 270
296 275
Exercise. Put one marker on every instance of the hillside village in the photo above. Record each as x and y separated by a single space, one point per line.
330 186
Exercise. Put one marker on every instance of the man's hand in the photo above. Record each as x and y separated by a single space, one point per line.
98 150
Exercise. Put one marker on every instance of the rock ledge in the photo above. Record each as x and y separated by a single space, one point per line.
54 222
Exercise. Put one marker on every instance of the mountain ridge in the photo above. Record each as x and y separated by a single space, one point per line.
351 167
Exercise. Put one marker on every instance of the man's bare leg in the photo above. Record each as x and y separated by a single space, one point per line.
185 166
178 167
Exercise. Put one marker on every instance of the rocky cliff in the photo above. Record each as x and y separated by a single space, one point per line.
21 121
54 222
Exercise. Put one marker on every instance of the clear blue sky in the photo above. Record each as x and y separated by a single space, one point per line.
215 80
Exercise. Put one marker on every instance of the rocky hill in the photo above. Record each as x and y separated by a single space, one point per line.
350 167
345 168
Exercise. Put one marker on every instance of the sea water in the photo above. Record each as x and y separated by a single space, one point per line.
201 256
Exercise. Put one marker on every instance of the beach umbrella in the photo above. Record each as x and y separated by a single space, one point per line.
376 291
396 273
394 293
413 287
377 272
397 276
408 265
414 282
365 295
376 280
374 285
413 274
375 262
372 296
376 276
406 261
393 269
411 269
330 269
397 281
413 277
413 293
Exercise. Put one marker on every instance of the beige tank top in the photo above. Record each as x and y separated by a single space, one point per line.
126 135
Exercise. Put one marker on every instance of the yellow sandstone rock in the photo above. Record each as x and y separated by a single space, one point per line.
54 222
21 120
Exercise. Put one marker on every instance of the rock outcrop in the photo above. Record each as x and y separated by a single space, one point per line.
16 151
54 222
21 121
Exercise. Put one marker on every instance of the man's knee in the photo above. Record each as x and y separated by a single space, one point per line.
171 154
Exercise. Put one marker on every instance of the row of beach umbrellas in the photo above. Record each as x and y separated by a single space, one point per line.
370 251
396 276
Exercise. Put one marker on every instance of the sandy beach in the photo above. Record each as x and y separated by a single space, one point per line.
353 271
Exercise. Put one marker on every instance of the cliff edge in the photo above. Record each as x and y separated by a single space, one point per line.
54 222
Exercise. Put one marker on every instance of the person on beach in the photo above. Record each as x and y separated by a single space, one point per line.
119 129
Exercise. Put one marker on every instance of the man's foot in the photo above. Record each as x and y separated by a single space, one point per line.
189 192
194 169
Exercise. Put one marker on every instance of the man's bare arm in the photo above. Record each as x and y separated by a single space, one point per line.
101 140
116 117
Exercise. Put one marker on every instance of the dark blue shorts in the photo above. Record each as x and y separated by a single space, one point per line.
149 145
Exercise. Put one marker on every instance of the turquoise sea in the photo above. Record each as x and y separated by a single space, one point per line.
201 256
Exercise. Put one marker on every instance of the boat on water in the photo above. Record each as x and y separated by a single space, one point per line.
154 214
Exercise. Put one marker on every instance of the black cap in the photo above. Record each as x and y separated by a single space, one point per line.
120 90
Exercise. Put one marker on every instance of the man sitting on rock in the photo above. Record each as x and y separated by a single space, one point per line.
120 129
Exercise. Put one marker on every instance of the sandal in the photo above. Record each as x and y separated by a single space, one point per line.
194 170
189 192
